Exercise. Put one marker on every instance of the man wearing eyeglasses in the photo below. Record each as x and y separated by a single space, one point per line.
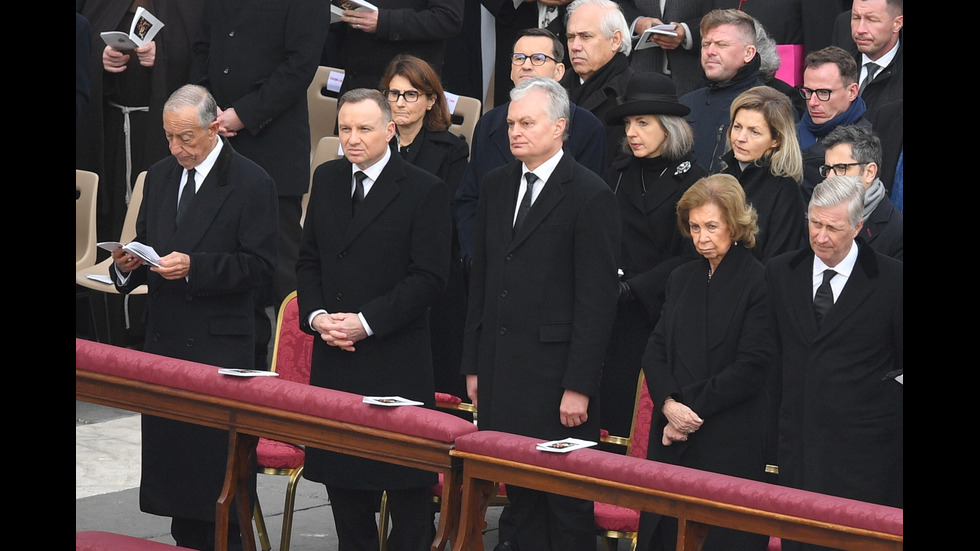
537 53
855 151
830 89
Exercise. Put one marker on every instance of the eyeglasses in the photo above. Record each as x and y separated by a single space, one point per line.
411 96
823 94
840 169
536 59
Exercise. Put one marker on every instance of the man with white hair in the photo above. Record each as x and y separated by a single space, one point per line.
598 51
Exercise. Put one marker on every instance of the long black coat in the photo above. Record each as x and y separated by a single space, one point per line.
779 204
230 234
541 302
647 191
841 416
260 59
390 262
712 351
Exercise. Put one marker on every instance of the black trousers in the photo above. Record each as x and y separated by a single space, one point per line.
544 521
357 530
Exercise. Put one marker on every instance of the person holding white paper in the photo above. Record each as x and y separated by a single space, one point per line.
676 56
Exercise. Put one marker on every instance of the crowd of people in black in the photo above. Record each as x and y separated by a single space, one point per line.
719 208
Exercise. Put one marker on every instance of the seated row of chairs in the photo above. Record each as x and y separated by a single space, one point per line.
323 109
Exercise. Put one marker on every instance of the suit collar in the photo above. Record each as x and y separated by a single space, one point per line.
215 189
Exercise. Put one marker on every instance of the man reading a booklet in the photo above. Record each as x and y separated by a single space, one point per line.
200 301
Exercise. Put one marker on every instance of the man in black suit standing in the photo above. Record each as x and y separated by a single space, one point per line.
374 258
258 60
211 214
542 301
838 311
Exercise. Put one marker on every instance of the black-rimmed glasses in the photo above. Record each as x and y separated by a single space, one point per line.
840 169
411 96
536 59
823 94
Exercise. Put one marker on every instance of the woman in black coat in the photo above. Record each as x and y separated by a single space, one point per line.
655 168
707 361
764 155
422 138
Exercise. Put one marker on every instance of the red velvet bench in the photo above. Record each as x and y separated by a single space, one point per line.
272 408
696 498
108 541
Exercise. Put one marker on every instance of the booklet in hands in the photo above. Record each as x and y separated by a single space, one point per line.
646 39
144 28
144 252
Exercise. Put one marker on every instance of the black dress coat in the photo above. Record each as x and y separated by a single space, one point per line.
647 191
712 351
491 148
229 232
389 262
779 204
840 411
444 155
541 302
415 27
260 58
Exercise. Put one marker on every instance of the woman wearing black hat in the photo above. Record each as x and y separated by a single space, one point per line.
654 169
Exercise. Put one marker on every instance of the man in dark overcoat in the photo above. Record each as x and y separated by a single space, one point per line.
200 300
838 386
542 301
367 280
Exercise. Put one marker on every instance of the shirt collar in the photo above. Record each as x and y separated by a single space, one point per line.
544 170
844 267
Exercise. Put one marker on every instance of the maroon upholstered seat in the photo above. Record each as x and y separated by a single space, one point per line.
612 521
108 541
291 358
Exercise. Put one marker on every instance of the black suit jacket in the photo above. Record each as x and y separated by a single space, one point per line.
542 301
390 262
260 57
840 412
491 148
230 234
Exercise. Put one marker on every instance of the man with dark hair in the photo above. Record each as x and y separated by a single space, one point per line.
832 99
374 258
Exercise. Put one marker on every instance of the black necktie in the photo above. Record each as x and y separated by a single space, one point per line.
872 68
186 196
358 191
526 201
824 299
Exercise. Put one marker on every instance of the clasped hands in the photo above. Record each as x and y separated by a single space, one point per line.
173 266
681 422
340 329
114 61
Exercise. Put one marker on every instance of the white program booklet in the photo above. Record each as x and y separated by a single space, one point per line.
144 252
238 372
144 28
646 39
565 446
390 401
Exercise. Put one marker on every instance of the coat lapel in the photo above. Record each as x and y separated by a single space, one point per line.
857 289
215 189
548 199
382 193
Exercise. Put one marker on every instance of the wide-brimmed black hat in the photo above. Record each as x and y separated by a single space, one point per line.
647 93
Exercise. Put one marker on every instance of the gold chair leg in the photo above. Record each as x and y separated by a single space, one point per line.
288 507
260 526
383 522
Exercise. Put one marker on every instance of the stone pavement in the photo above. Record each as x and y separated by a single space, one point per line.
107 464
